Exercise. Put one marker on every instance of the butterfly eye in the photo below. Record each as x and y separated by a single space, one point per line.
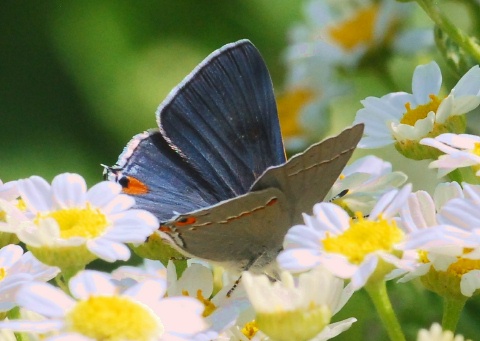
185 221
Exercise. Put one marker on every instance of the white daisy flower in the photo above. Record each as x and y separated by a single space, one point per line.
435 333
298 309
404 119
461 150
304 104
330 32
350 248
447 241
98 311
16 269
73 226
362 183
220 311
126 276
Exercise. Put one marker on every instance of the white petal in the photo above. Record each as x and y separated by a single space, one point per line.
32 326
36 193
460 141
427 80
69 190
365 270
297 260
445 109
301 236
419 211
196 277
469 84
181 315
9 255
120 203
470 282
44 299
9 191
334 329
89 282
338 265
69 337
445 192
108 250
331 217
102 193
465 104
147 292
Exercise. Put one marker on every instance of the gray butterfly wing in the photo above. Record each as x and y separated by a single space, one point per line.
245 232
307 177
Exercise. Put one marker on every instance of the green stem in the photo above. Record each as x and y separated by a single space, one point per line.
467 43
377 291
452 309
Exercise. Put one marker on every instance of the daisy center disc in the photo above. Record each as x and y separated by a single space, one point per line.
463 265
347 33
79 222
113 318
411 116
289 106
364 237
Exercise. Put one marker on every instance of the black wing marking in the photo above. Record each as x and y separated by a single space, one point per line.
223 119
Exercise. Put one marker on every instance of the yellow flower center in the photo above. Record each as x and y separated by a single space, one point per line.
21 205
364 237
289 105
356 30
476 148
411 116
250 329
463 265
114 318
78 222
3 274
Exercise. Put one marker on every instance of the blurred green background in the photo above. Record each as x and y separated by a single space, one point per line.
79 79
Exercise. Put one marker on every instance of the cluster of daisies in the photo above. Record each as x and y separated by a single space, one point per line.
377 230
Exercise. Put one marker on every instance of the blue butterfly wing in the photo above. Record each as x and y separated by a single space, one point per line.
160 179
223 119
218 133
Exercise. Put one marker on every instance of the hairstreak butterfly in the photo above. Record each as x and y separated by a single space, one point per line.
215 173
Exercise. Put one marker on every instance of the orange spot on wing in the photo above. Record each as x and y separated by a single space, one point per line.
135 186
164 228
185 221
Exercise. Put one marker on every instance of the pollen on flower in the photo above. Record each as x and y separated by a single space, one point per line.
209 305
411 116
347 33
463 265
476 148
364 237
112 318
3 274
78 222
250 329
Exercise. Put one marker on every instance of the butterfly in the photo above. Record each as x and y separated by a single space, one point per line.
215 173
